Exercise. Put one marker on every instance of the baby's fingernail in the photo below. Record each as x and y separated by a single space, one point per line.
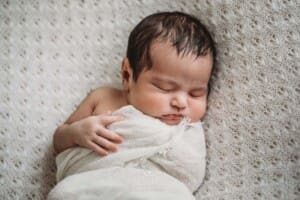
121 117
119 139
116 149
104 154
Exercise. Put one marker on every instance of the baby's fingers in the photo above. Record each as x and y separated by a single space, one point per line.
109 119
104 143
98 149
110 135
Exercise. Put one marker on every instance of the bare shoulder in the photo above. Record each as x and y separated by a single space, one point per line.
97 102
104 92
107 98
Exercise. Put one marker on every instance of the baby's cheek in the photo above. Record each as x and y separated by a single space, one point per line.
198 110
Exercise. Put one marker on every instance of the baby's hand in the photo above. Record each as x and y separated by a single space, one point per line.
92 133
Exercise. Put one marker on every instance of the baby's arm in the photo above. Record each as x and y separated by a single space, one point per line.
86 130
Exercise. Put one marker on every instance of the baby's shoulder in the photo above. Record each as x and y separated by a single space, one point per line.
105 94
107 98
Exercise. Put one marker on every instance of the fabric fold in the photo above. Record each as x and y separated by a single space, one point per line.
173 156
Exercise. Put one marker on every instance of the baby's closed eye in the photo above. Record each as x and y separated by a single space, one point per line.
164 87
198 93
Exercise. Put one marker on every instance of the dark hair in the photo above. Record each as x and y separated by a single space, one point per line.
185 32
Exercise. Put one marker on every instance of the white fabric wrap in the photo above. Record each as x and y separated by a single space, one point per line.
157 160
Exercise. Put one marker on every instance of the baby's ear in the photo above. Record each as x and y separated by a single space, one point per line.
126 73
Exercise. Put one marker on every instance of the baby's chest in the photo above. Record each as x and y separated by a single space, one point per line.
108 105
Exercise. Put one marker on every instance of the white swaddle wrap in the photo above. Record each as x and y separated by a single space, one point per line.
155 161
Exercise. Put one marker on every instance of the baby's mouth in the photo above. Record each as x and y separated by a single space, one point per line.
171 118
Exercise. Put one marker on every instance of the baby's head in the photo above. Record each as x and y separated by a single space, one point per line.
166 73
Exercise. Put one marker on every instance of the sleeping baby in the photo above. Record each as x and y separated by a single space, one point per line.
144 141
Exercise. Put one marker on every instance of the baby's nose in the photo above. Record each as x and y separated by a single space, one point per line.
179 101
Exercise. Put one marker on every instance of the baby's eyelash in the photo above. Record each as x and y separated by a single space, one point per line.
198 94
162 88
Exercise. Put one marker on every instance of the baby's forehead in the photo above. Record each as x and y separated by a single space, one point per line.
161 46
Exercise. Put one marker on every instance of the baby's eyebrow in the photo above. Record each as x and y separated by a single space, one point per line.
165 80
174 83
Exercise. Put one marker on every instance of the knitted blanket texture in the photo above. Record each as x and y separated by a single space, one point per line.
52 53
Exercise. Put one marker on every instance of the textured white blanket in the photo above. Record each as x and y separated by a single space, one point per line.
155 161
52 53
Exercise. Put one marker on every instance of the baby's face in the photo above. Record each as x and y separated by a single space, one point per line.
174 87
